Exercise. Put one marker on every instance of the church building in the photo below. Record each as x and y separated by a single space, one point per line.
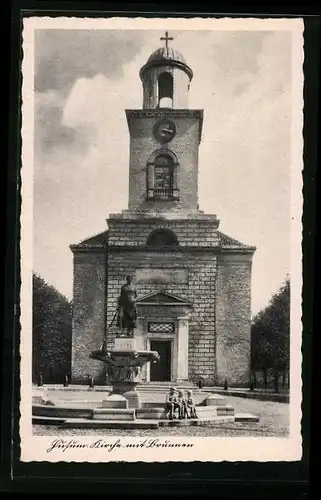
193 282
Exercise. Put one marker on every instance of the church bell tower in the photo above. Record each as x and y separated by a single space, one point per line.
164 137
193 282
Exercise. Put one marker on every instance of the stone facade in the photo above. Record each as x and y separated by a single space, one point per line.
233 317
217 295
201 282
89 304
185 147
198 231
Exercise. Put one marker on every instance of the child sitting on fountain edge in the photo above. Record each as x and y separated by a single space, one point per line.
191 409
182 405
171 403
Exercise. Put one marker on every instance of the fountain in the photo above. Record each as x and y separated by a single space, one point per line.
123 360
124 363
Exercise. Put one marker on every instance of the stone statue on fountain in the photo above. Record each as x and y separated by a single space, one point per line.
127 310
123 361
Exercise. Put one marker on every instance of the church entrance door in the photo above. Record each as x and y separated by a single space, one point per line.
161 371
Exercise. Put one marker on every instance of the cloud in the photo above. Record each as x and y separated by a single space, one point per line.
250 147
63 56
61 62
50 131
81 166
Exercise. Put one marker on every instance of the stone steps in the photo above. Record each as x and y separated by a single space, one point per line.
127 414
144 386
160 396
146 398
61 412
81 405
47 420
246 417
202 412
89 400
165 386
150 410
197 422
144 418
82 423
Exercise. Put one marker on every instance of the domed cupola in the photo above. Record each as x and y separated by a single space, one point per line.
166 78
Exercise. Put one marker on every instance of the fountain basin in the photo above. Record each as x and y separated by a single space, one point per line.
125 357
123 365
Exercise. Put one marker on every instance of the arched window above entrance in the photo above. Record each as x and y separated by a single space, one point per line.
162 238
165 90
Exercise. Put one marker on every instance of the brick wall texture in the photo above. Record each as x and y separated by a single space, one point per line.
233 319
185 147
89 295
197 233
218 287
200 290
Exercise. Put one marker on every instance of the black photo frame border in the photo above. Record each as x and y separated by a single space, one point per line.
226 479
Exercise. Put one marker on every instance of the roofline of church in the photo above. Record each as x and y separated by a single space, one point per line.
92 248
184 248
166 112
177 249
145 217
226 244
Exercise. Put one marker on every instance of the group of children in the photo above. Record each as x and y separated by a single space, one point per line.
175 400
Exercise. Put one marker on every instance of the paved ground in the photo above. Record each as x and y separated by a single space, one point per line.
274 422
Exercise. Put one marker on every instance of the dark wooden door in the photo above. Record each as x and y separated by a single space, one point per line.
161 371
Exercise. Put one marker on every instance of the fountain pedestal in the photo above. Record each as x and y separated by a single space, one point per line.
124 363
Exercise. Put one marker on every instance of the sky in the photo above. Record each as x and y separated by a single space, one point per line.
85 79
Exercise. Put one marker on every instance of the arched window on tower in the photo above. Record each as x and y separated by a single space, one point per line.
165 90
163 176
162 238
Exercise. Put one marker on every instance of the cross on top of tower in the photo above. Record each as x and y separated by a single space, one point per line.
166 38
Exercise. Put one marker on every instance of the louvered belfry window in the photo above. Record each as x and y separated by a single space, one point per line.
159 327
163 177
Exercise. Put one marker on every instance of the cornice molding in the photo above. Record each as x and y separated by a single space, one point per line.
164 113
146 218
166 62
182 249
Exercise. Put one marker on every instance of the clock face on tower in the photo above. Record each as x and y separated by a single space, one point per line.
164 130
